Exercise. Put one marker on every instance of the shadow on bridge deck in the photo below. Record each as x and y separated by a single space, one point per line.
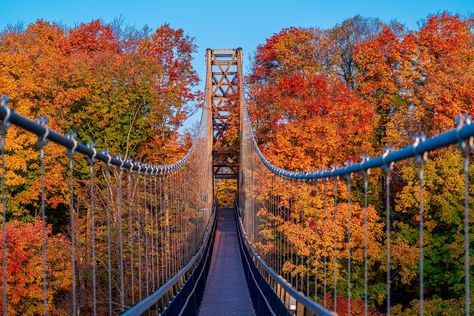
226 291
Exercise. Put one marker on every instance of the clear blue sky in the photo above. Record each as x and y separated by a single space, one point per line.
226 24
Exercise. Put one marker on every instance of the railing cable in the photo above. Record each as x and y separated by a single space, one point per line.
349 232
308 210
365 173
130 232
152 227
42 141
336 180
120 219
325 242
71 152
139 223
108 206
466 147
91 161
420 160
388 170
145 231
316 238
3 128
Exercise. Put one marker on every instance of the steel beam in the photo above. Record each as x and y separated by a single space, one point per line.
224 76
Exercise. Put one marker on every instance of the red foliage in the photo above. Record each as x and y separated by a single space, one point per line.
357 306
25 267
90 38
304 117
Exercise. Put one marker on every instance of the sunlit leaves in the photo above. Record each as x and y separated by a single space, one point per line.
320 97
25 269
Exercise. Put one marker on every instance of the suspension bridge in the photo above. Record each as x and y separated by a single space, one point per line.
160 244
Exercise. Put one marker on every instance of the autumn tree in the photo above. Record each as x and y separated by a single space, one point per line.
418 80
25 272
342 40
84 79
294 103
312 92
398 71
126 90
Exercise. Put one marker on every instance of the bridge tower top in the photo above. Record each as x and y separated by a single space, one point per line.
224 84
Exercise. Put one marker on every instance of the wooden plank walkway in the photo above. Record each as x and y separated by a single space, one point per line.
226 291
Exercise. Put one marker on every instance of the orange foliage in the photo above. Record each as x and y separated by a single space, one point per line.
305 119
418 80
320 97
129 96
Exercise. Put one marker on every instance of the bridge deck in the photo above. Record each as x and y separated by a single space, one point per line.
226 291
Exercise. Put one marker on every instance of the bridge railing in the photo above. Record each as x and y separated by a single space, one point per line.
182 294
135 229
324 234
271 294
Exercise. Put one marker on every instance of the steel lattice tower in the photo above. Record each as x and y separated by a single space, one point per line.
224 81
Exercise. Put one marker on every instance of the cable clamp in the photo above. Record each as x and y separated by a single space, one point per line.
464 145
387 167
4 104
120 158
91 160
419 157
106 152
334 167
43 122
364 159
72 137
347 164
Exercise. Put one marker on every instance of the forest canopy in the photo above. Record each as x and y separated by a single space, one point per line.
317 97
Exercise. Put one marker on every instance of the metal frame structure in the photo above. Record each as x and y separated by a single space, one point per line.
271 294
223 77
181 295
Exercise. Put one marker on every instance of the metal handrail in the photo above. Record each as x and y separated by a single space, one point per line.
253 277
463 131
310 305
148 302
9 116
